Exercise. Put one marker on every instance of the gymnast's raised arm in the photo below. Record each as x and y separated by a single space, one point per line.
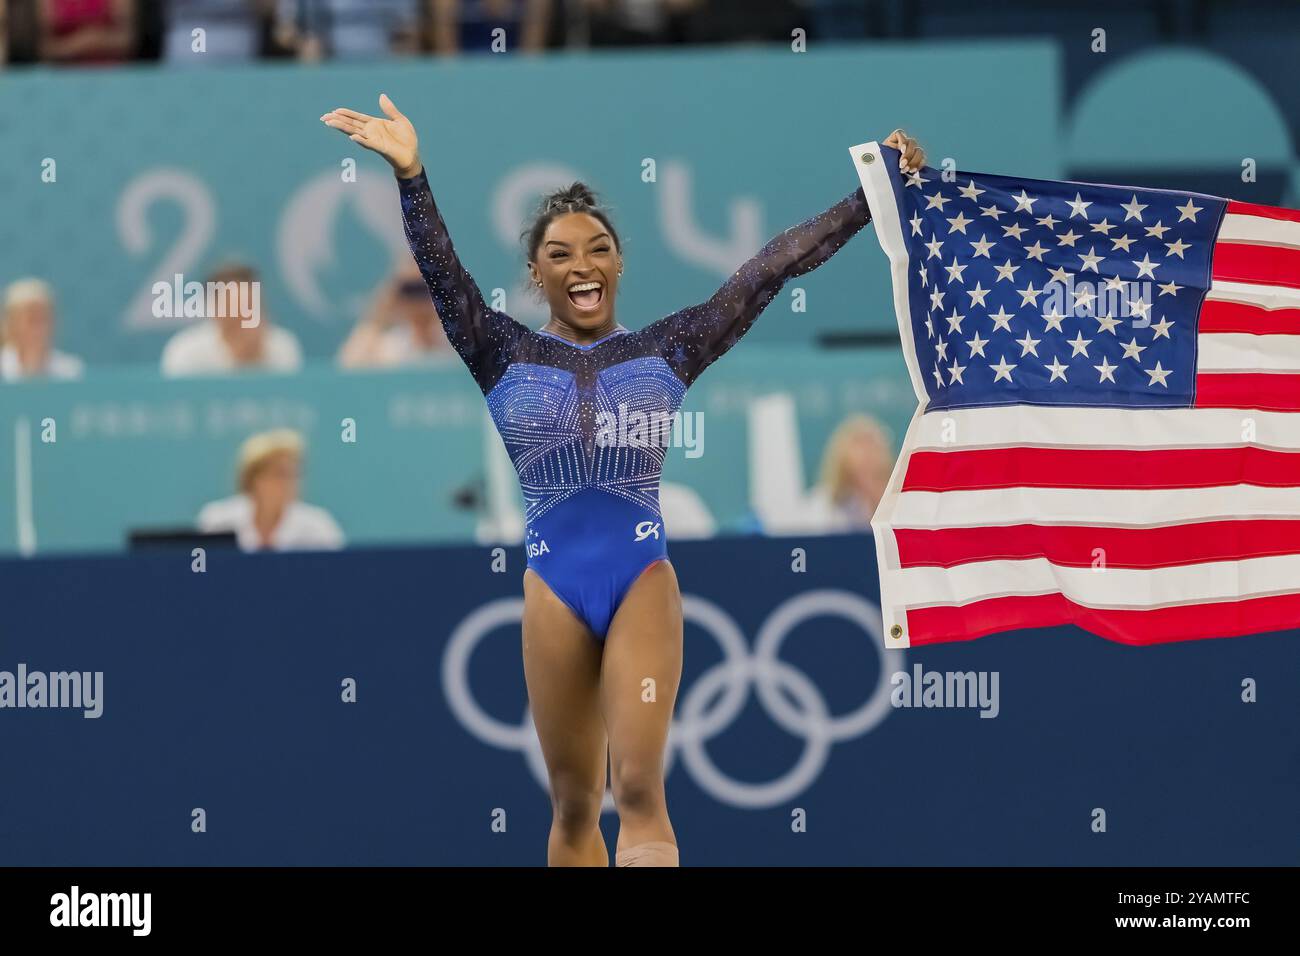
479 334
693 338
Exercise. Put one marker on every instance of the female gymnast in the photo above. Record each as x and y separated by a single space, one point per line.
602 624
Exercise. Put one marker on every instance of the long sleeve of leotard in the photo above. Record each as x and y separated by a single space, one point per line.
481 336
695 337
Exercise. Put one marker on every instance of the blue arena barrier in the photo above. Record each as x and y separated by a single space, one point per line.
222 691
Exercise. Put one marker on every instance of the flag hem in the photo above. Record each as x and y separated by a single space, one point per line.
869 160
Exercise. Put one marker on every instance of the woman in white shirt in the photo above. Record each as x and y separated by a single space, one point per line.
855 472
28 335
228 340
266 515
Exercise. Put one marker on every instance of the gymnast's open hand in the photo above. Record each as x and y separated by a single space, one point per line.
913 157
392 138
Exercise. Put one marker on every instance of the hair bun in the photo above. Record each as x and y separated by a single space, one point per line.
576 194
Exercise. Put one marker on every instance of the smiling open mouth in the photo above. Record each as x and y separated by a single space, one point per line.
586 295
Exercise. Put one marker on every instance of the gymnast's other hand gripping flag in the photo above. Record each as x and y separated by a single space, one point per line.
1108 432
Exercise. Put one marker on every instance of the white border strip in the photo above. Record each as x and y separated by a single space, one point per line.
893 612
869 162
23 488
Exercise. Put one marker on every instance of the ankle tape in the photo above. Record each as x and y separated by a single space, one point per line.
648 854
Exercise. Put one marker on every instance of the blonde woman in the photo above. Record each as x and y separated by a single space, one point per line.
855 470
266 514
28 335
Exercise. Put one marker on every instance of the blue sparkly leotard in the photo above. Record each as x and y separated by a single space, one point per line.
593 520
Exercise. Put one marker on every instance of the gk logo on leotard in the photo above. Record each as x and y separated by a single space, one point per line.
647 529
708 707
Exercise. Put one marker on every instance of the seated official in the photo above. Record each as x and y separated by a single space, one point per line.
28 335
266 515
230 341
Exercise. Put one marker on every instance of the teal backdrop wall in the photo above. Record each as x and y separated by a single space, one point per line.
156 173
161 172
139 451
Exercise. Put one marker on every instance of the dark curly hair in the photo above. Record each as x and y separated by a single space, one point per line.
576 197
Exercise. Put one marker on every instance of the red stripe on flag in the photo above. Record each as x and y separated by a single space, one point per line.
1267 212
1267 392
935 625
1076 546
1100 468
1261 265
1219 316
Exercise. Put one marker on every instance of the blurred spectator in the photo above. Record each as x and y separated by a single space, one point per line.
86 31
266 514
347 29
400 328
467 25
636 22
223 343
28 335
855 471
232 30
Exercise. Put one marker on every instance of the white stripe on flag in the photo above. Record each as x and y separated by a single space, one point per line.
1259 230
1106 507
1107 588
1008 426
1242 352
889 231
1264 296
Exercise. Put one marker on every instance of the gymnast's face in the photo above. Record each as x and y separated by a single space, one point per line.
577 263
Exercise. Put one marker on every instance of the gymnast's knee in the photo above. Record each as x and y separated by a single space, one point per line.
638 790
575 806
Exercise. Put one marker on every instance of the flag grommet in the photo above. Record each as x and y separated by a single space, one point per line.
868 158
896 631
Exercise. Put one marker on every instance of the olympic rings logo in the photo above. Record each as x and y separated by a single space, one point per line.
726 685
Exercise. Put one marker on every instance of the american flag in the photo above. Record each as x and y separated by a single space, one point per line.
1108 430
